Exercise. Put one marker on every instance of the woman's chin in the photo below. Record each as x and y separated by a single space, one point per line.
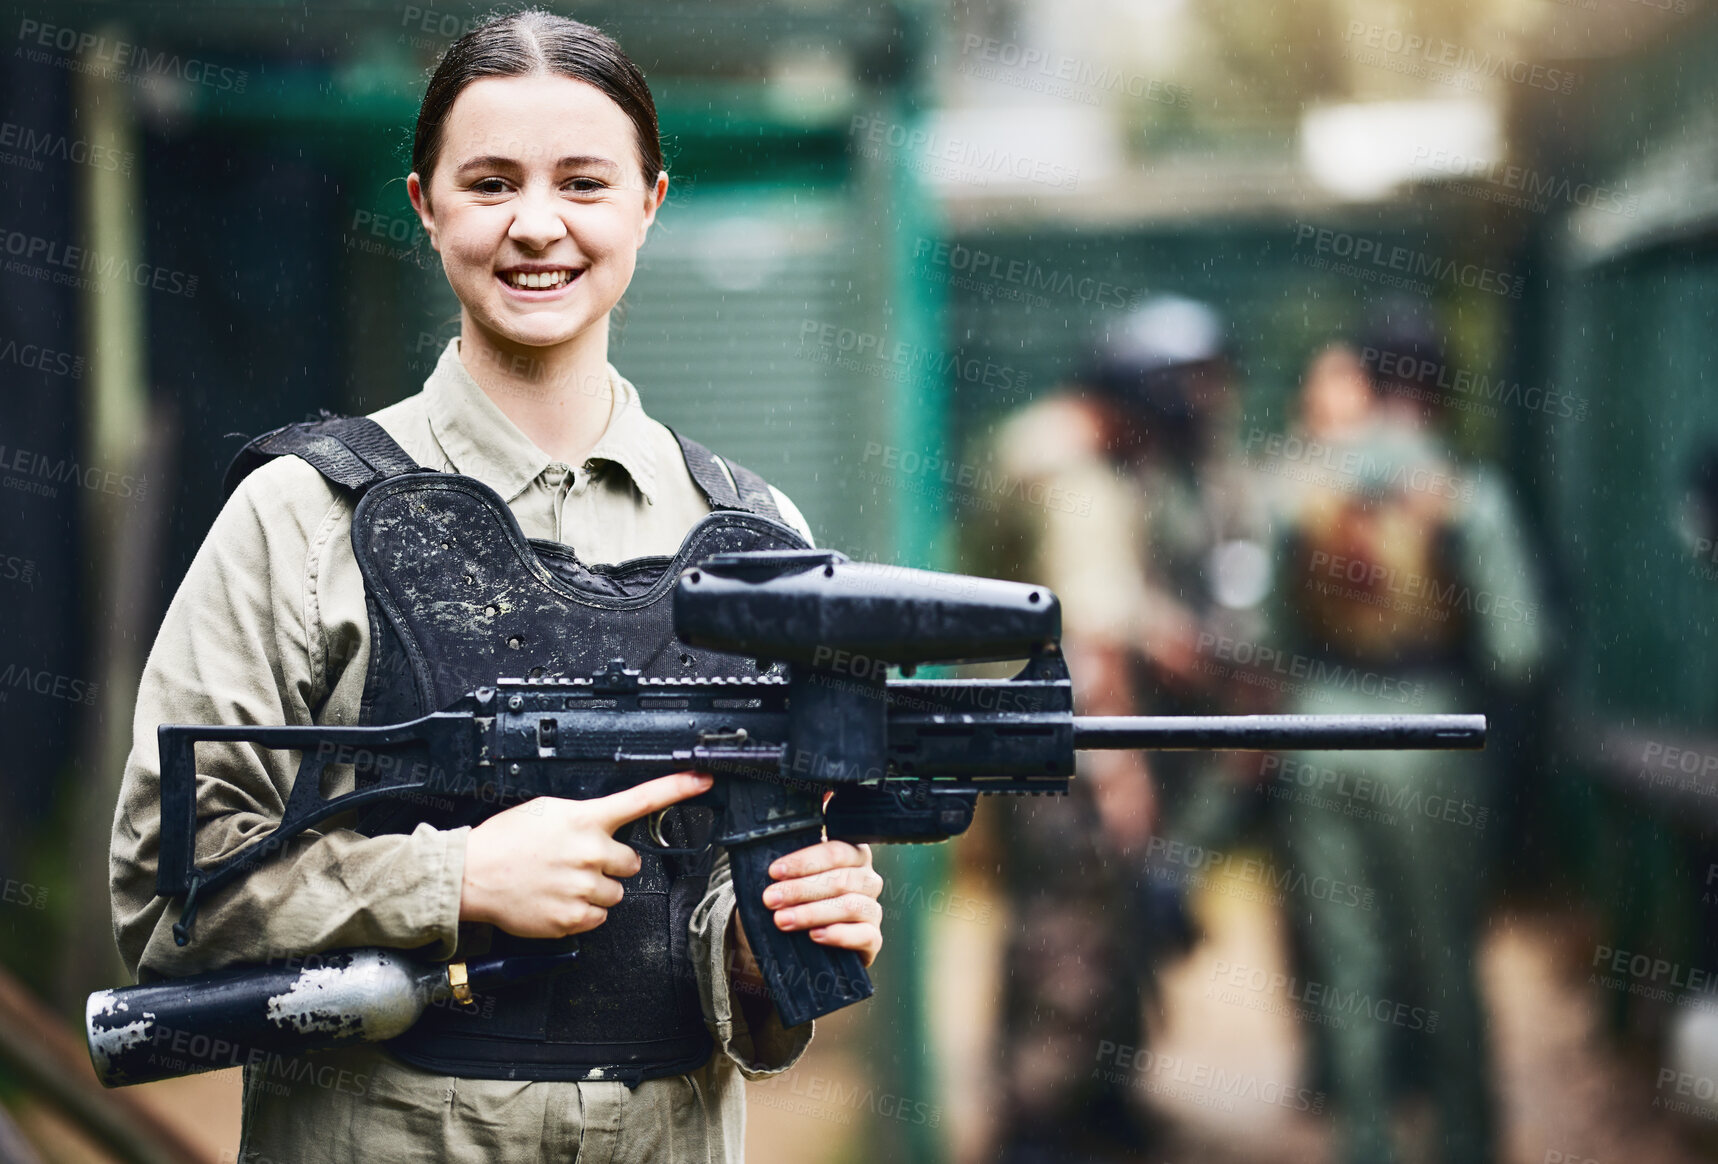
533 333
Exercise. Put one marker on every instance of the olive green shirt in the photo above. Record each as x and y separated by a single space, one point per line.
269 627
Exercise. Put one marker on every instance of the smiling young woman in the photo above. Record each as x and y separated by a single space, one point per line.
533 190
522 489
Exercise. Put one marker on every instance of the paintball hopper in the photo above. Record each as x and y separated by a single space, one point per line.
819 609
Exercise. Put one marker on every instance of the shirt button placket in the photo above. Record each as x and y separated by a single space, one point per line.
560 479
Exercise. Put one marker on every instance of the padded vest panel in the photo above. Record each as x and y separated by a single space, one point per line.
459 598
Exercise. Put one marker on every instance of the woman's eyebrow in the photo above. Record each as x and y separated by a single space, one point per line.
574 161
487 162
586 161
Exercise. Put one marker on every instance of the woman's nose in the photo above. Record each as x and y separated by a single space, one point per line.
537 222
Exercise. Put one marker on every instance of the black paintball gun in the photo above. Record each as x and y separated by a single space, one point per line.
809 711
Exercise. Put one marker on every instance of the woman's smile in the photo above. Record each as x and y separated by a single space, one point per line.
537 282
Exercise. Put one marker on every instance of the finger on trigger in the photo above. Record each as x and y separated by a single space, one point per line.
641 800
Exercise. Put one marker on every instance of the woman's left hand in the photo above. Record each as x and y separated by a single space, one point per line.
830 890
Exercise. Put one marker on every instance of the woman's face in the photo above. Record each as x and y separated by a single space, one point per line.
536 206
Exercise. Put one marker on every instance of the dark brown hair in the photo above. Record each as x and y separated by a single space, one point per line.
530 43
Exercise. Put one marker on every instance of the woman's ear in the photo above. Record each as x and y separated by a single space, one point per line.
420 203
652 203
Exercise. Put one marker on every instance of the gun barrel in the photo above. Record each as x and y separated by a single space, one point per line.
1269 733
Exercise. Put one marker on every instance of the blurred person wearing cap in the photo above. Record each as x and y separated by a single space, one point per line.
1205 558
1125 497
1404 587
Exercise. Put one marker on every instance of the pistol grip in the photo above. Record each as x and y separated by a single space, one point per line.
805 980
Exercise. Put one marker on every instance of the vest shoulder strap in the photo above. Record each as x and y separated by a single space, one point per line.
352 451
355 453
746 491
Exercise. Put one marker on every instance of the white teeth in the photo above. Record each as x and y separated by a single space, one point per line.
538 280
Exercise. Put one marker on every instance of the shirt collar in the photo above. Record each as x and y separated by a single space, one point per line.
480 441
627 441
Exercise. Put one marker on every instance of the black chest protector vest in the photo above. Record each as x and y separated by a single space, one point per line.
458 597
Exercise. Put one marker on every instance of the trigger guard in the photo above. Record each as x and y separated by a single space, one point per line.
654 842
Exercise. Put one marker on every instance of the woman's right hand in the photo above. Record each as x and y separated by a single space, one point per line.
550 867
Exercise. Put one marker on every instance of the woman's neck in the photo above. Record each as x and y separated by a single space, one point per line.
559 397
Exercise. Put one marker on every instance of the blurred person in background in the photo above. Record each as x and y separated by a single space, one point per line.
1405 588
1205 559
1122 511
1336 403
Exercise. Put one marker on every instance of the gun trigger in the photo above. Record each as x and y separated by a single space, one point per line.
653 829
